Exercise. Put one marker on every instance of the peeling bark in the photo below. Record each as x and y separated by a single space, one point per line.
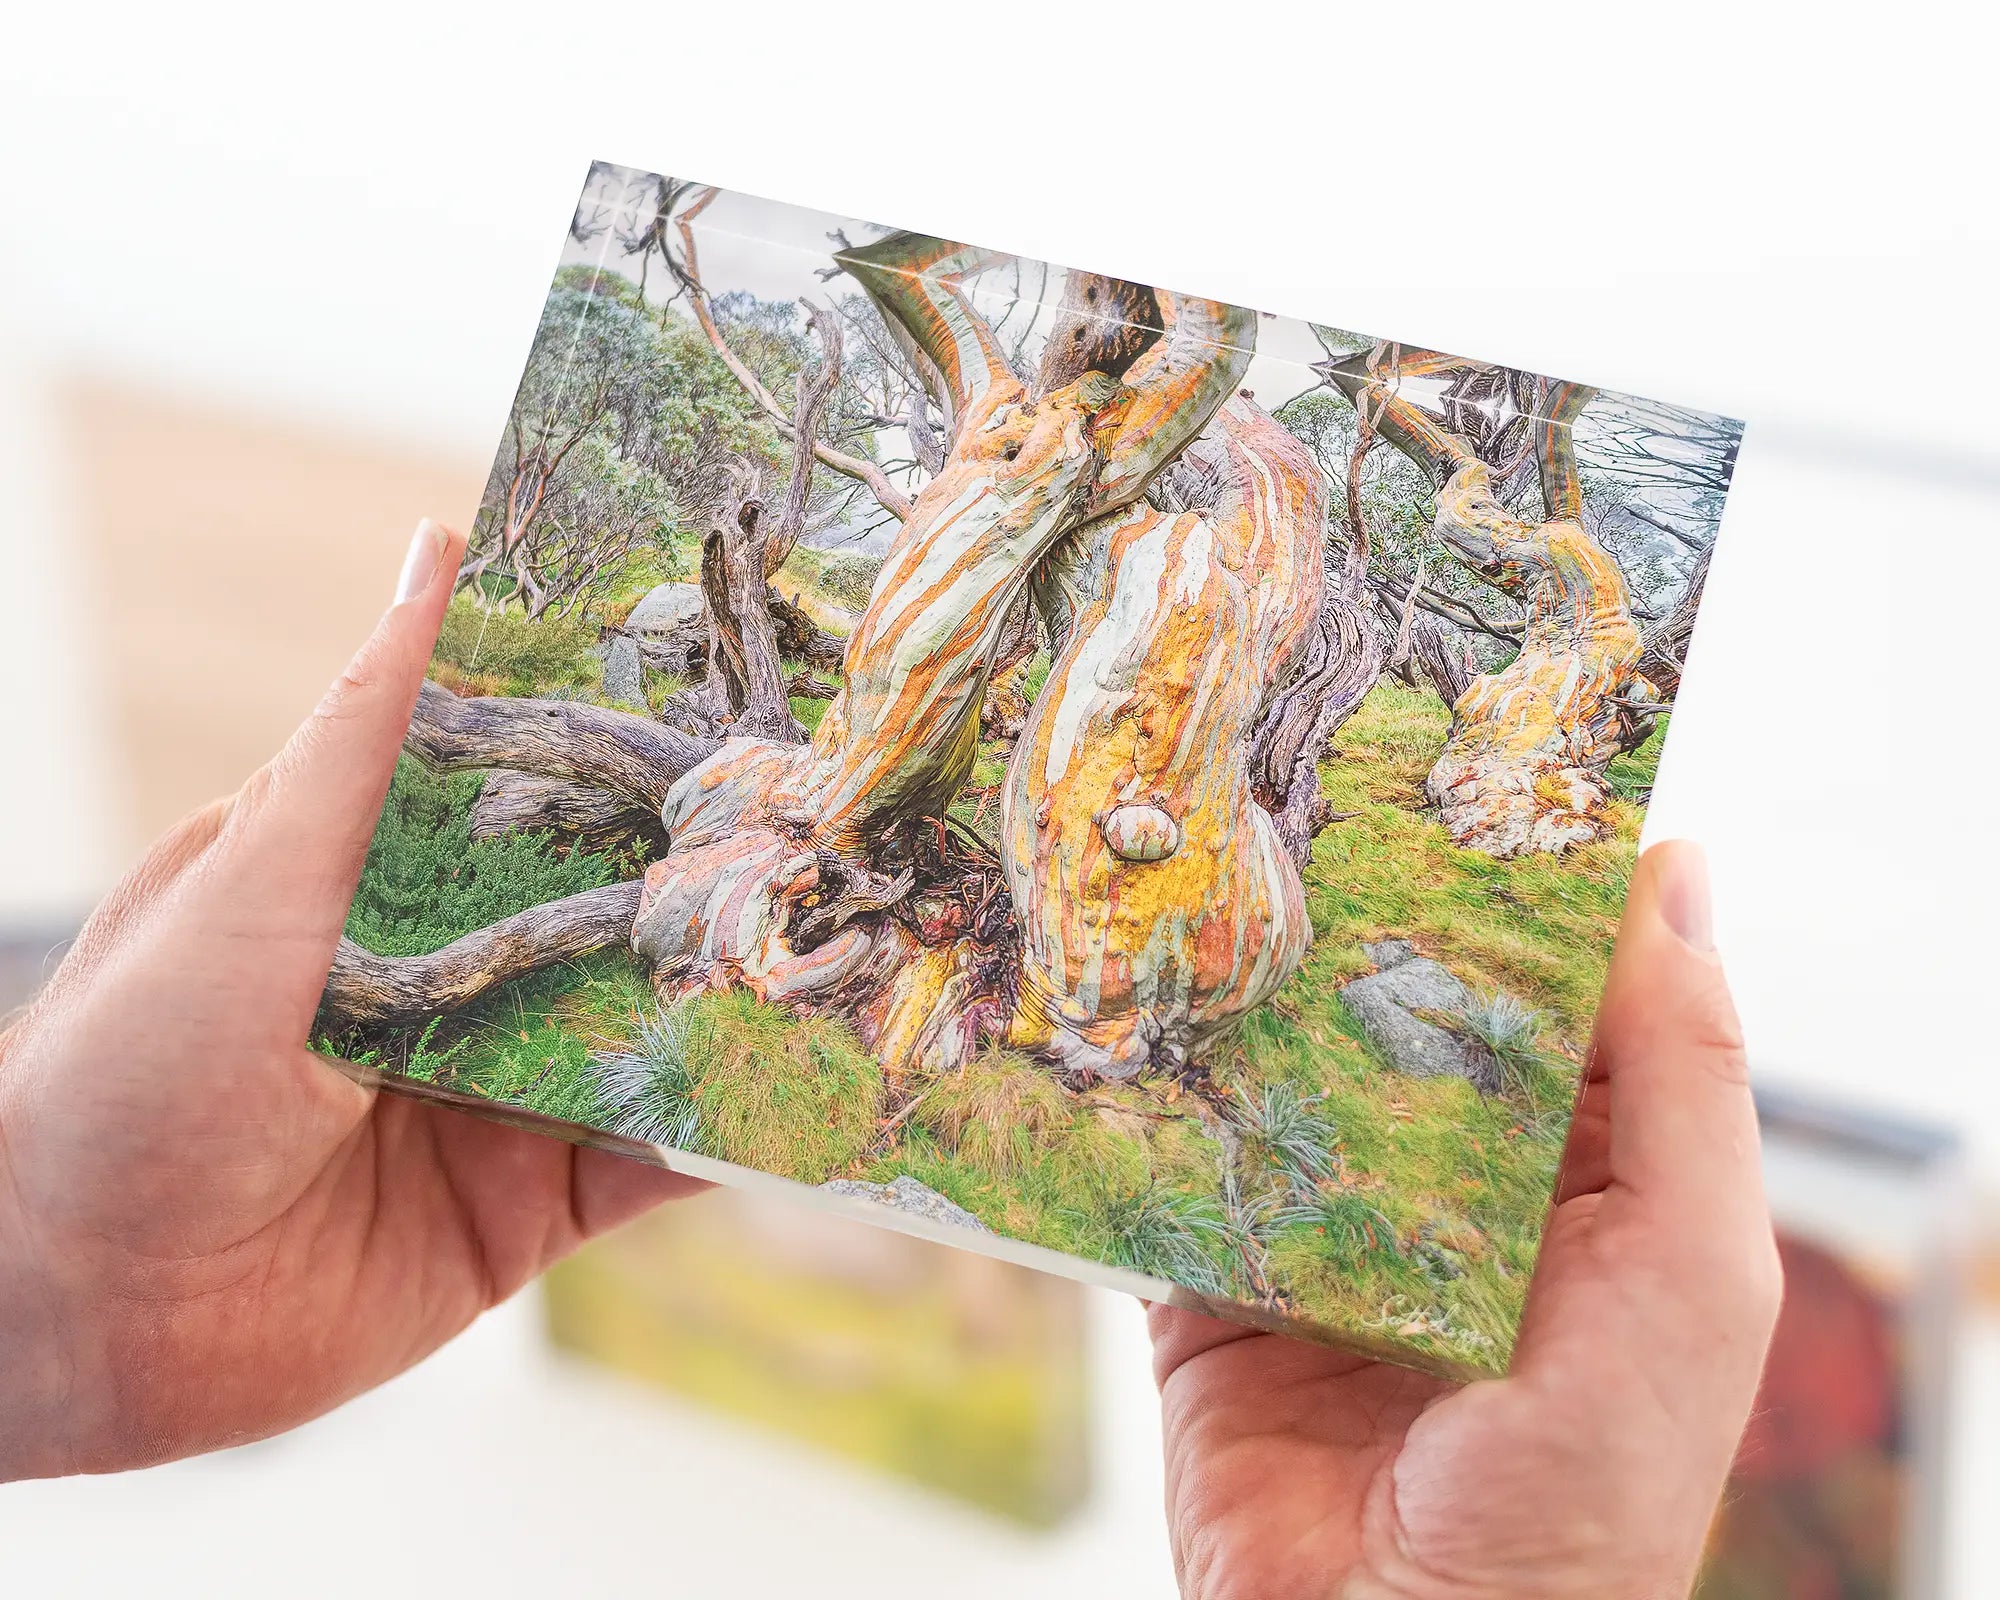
762 835
1339 665
1524 767
1158 896
1155 897
1102 325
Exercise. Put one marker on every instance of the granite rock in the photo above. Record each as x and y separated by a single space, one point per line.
911 1198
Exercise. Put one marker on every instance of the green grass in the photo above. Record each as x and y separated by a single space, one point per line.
499 651
794 1096
809 709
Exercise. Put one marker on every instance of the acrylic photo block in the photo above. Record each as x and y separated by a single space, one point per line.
1128 784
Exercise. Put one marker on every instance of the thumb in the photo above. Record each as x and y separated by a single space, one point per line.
1663 1183
1669 1056
300 828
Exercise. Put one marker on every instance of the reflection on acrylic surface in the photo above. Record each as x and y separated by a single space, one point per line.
1158 778
958 1372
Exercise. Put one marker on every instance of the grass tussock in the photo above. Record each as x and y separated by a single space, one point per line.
998 1113
798 1097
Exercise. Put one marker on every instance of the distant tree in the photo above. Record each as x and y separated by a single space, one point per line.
620 434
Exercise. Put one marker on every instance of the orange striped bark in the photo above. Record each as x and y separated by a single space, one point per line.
1524 766
766 842
1156 900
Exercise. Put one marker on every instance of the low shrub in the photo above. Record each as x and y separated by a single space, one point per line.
529 657
427 882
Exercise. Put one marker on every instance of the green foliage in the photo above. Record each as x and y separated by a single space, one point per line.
1396 502
426 881
424 1063
617 439
499 644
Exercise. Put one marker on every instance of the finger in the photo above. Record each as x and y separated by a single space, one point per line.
607 1191
293 848
1180 1336
1586 1157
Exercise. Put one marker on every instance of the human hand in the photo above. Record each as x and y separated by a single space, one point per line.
207 1233
1594 1467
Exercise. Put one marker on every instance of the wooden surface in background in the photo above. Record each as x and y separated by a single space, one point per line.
233 564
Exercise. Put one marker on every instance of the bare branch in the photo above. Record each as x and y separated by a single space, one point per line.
367 989
631 756
689 268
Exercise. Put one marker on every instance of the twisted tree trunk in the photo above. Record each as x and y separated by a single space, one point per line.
744 692
765 841
1524 766
1338 667
1147 892
1156 898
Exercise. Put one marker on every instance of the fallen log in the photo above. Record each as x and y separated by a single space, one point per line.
593 819
368 990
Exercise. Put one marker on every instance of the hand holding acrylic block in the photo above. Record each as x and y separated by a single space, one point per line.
1186 852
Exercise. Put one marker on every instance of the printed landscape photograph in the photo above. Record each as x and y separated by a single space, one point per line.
1091 765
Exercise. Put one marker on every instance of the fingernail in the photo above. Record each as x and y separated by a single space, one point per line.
421 563
1684 898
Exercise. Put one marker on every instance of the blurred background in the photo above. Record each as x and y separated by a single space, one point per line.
266 283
